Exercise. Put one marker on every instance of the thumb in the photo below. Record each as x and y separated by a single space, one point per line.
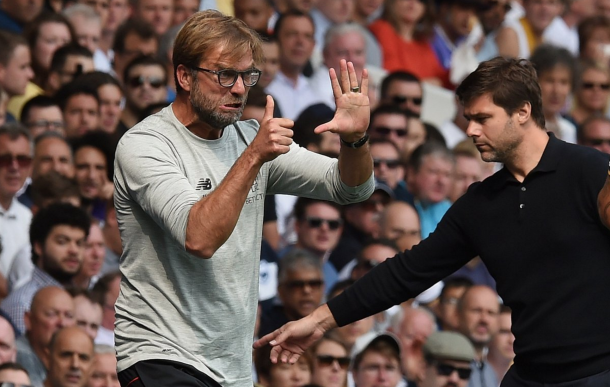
269 108
327 127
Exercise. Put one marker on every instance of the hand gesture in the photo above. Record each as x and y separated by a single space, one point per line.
274 136
353 108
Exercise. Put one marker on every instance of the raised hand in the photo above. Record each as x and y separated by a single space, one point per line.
274 136
353 107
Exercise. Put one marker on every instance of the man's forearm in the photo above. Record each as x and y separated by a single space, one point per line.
206 233
355 165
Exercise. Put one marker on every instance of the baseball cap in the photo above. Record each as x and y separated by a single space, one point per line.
449 346
364 341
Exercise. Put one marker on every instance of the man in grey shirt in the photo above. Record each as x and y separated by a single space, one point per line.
190 185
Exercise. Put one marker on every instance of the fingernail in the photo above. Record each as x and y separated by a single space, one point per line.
272 342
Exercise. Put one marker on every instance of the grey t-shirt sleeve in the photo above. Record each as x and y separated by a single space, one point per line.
148 175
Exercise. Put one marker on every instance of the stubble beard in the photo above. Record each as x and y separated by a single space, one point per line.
506 145
207 112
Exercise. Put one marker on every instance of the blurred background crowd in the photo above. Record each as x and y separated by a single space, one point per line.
77 74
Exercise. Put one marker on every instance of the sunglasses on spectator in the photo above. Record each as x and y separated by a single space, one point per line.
52 125
385 131
298 284
328 360
447 369
154 82
597 141
7 160
332 224
400 99
591 85
391 164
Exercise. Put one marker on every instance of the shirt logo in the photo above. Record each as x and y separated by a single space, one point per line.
204 184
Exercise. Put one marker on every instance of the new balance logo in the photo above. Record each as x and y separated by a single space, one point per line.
204 184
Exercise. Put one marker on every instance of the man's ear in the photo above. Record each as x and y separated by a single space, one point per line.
184 77
524 113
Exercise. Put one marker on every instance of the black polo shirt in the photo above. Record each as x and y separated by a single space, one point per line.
543 242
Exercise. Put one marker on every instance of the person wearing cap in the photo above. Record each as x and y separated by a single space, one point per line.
376 361
447 356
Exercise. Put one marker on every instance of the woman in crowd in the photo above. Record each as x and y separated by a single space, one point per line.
330 363
592 91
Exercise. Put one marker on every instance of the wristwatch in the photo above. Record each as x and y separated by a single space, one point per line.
356 144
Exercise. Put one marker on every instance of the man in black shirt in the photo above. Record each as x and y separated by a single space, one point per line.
536 226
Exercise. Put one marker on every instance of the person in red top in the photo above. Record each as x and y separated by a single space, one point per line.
404 32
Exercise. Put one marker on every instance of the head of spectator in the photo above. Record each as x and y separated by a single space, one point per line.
412 326
492 13
387 162
20 11
107 288
255 13
8 349
87 25
595 132
399 222
95 251
349 333
52 309
468 168
364 216
80 106
45 35
594 38
501 352
282 374
327 143
255 104
376 361
455 17
318 225
135 37
53 187
372 254
110 94
101 7
336 11
145 84
540 14
14 373
87 311
417 17
478 311
93 157
15 63
294 32
344 41
430 171
448 356
364 10
330 363
271 59
118 13
159 13
15 161
592 91
183 9
103 370
404 90
52 152
417 133
391 123
446 309
68 63
300 283
42 114
70 358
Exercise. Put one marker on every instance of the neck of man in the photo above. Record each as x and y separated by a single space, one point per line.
106 40
528 153
40 350
183 110
499 363
5 202
319 254
291 72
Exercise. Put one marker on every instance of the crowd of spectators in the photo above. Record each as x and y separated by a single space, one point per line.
77 74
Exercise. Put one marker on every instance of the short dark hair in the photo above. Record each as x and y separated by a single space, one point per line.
387 109
308 120
73 88
53 186
94 298
340 286
60 56
547 57
56 214
595 117
378 346
13 367
290 13
8 43
100 140
384 141
510 82
99 78
102 286
426 149
455 282
586 28
302 203
397 76
40 101
139 27
144 60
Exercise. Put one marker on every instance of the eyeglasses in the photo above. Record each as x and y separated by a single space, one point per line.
333 224
154 82
391 164
44 124
227 78
7 160
9 384
597 141
299 284
591 85
401 99
385 131
447 369
328 360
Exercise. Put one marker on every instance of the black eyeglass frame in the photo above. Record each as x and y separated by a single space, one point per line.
219 73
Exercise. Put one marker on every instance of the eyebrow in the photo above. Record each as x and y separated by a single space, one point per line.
476 116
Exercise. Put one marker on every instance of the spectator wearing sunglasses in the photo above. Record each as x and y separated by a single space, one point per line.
15 167
145 84
402 89
376 361
14 375
391 123
387 164
330 363
595 132
592 92
447 357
